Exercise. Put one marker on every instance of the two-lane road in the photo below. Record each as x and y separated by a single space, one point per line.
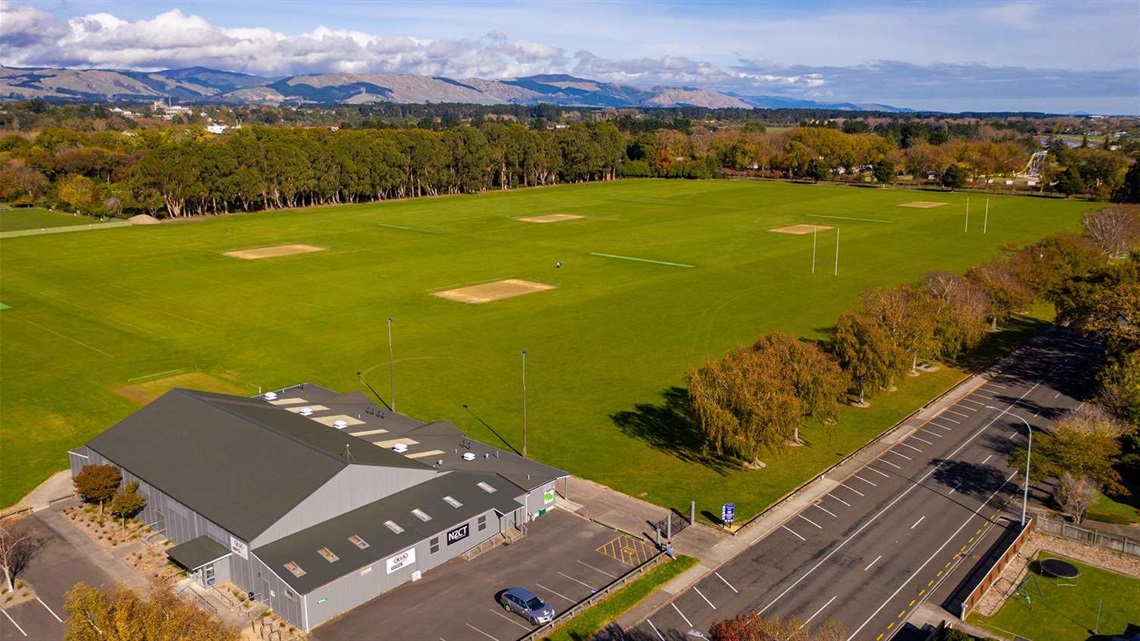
882 540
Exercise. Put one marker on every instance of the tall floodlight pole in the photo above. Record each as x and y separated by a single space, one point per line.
967 215
524 401
836 251
391 366
814 235
1028 456
986 220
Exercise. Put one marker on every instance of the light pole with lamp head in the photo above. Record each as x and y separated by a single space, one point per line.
1028 454
524 401
391 366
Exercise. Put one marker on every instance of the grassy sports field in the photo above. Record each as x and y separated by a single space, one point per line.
102 320
17 219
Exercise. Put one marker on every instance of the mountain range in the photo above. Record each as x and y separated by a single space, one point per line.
202 85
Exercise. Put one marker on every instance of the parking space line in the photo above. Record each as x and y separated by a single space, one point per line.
793 532
911 447
833 514
698 591
511 619
1012 435
687 621
940 426
949 419
466 624
989 398
555 593
726 582
816 612
918 521
970 400
987 459
49 610
958 413
590 587
597 569
872 563
13 622
852 489
882 474
865 480
840 500
930 433
922 440
658 632
901 454
817 525
889 463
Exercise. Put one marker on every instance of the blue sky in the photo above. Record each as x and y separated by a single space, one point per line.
1050 55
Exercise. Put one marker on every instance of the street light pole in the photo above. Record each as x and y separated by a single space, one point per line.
524 401
1028 456
391 366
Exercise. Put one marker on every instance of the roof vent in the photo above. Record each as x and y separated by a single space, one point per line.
271 396
340 424
468 456
400 448
306 411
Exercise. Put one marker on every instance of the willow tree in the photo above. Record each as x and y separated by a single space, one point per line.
866 353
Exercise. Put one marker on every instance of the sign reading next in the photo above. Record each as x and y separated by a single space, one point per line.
459 533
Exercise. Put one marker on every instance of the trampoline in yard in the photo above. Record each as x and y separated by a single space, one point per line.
1059 568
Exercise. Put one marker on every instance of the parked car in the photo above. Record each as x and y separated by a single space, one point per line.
527 604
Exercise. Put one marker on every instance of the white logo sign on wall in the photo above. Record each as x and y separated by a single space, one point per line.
402 560
239 547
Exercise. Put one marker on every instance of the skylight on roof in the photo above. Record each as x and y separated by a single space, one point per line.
328 554
450 500
358 542
421 515
391 525
295 569
486 487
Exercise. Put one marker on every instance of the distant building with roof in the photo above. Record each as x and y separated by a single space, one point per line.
312 500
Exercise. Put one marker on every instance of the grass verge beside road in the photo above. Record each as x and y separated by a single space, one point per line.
591 621
1066 609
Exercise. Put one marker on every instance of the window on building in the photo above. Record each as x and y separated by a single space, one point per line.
327 554
435 545
289 594
482 523
295 569
421 515
450 500
391 525
486 487
358 542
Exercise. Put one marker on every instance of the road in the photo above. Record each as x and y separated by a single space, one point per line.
905 527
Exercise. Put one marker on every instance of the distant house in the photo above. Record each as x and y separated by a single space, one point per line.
216 128
314 501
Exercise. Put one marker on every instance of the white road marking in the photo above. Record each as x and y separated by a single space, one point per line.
940 426
577 581
816 612
936 552
17 624
655 629
840 500
597 569
1056 395
1012 435
872 563
997 385
852 489
864 480
987 459
726 582
900 454
922 440
970 400
793 532
930 433
947 418
918 521
641 260
511 619
889 463
954 488
826 510
958 414
698 591
911 447
810 521
555 593
49 610
687 621
990 398
882 474
477 630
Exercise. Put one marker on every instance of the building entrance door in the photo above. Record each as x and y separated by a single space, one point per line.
208 576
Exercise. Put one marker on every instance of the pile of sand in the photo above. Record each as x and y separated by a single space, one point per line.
143 219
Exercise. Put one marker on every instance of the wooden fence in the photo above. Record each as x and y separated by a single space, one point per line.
994 572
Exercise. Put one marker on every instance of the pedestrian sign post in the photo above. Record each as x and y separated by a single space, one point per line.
728 514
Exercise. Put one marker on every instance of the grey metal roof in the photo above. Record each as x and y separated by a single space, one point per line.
368 523
195 553
240 462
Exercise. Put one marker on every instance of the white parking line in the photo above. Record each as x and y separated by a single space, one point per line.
958 414
952 490
833 514
726 582
1012 435
655 629
900 454
882 474
555 593
872 563
987 459
473 628
940 426
918 521
864 480
922 440
930 433
997 385
852 489
911 447
970 400
990 398
49 610
840 500
687 621
18 625
597 569
698 591
947 418
809 521
889 463
511 619
793 532
816 612
577 581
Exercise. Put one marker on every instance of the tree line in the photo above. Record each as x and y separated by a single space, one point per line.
752 402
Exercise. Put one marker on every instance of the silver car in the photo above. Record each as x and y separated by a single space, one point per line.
527 604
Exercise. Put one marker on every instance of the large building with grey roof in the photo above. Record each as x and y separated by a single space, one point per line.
313 500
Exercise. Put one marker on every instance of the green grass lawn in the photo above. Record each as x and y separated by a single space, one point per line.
90 312
15 219
1066 610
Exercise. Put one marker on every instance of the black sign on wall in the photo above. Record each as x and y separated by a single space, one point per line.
458 534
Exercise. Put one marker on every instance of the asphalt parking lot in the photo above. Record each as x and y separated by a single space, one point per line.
563 559
53 570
